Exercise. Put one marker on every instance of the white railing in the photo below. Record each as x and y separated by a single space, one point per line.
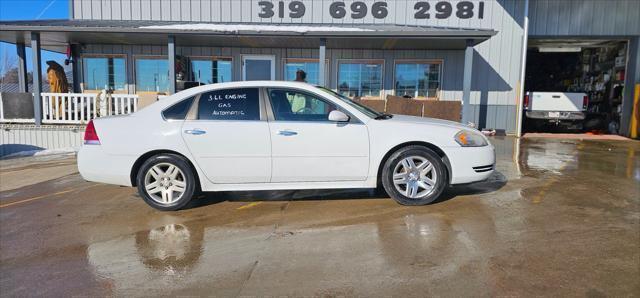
79 108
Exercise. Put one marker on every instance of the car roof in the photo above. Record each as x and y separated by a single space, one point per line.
172 99
242 84
260 84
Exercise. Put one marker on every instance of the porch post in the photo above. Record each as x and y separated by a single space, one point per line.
23 79
322 65
75 57
37 77
172 63
466 83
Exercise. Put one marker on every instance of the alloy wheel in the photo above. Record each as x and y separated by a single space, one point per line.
415 177
165 183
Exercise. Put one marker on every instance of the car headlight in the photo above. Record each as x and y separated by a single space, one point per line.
467 138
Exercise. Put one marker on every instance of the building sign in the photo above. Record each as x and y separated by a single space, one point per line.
339 10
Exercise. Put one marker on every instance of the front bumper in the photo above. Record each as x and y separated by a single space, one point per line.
471 164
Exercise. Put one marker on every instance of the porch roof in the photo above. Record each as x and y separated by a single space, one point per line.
57 34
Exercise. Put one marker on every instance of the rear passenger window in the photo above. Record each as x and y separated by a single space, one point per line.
230 104
178 111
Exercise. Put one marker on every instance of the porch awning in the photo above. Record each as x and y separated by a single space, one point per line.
57 34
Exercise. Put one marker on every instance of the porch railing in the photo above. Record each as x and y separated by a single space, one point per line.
79 108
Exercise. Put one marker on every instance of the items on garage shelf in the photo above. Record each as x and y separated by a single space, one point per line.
604 80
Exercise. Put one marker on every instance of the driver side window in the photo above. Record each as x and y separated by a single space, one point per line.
291 105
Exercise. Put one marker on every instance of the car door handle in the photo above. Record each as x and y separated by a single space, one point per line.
287 133
196 132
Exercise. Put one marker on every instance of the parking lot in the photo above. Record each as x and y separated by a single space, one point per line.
559 217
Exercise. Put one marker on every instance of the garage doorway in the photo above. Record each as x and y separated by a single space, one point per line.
574 86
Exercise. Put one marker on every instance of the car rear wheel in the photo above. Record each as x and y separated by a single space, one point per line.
166 182
414 175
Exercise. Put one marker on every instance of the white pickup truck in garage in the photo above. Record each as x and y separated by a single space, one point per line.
558 109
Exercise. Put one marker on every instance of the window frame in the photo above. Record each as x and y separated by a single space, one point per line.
327 64
214 58
135 73
126 72
193 113
439 61
272 117
381 62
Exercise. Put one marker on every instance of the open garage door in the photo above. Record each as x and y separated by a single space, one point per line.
574 86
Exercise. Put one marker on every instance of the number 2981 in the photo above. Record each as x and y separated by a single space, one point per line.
379 10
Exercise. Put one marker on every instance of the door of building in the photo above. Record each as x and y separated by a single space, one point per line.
258 68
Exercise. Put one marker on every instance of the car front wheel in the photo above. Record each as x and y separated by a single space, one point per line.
414 175
166 182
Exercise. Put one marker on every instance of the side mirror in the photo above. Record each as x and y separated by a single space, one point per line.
337 116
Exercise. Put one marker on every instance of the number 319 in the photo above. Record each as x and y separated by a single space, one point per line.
296 9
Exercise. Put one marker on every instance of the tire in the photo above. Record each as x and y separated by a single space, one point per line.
176 179
428 189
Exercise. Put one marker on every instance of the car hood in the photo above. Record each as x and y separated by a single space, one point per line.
427 121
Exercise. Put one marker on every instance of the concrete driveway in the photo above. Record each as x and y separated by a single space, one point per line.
559 218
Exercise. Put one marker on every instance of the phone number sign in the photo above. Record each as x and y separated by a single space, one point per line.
379 10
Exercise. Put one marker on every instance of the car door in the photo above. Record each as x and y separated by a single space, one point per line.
307 147
228 135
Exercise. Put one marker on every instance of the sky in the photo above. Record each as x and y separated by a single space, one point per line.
33 10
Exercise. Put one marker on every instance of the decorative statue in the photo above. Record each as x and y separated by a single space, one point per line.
57 78
57 84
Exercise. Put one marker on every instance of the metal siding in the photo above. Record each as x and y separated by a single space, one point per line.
14 138
86 9
135 9
145 9
126 10
77 9
156 11
584 18
548 17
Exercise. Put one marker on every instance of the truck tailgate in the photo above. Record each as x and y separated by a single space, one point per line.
556 101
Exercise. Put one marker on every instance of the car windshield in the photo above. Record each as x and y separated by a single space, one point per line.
364 109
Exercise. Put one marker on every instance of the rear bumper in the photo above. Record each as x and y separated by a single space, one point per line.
551 115
96 166
471 164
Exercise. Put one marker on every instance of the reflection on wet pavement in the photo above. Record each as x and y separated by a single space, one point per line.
557 218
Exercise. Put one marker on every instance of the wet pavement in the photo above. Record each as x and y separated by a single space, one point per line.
558 218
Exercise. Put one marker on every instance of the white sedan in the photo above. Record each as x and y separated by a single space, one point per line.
244 136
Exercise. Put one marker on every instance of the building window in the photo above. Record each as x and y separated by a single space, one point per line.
211 70
310 66
418 79
105 73
152 75
360 78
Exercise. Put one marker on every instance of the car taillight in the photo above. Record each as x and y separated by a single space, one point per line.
90 135
585 102
526 102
